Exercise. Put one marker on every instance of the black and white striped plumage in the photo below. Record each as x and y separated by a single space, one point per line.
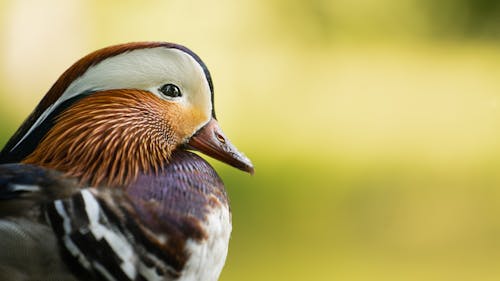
170 221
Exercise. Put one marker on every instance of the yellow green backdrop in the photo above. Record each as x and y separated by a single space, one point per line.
373 125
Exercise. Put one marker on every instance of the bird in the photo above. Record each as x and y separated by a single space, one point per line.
104 181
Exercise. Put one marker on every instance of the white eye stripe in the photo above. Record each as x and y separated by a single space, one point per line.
146 69
39 121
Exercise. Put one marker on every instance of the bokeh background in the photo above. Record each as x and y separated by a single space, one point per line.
374 125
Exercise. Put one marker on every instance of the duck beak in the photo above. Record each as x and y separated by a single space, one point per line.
210 140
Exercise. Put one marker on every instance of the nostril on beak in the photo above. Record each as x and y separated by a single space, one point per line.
220 137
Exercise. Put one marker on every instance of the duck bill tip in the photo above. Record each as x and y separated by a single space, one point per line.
211 141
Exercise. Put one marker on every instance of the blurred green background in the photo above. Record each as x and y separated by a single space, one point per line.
374 125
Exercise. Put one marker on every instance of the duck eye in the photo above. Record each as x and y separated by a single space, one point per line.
170 90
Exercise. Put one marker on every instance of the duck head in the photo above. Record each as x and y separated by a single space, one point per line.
123 110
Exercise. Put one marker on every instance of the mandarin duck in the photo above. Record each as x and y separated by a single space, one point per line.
99 182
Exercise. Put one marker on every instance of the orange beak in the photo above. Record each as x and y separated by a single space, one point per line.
210 140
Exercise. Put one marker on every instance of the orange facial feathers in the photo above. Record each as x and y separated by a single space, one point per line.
109 136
